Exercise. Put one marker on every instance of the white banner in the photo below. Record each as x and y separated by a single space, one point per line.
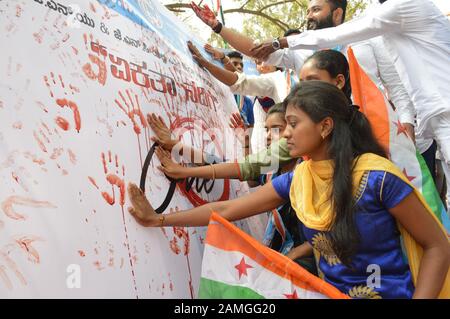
77 81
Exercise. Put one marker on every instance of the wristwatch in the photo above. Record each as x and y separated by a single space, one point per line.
276 44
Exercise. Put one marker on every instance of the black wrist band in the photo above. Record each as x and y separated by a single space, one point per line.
218 27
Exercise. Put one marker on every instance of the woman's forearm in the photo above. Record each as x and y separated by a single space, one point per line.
433 271
198 216
264 199
221 171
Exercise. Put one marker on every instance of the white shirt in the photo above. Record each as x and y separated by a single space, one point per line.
273 85
373 57
417 37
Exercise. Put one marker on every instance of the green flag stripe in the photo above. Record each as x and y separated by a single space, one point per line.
211 289
429 190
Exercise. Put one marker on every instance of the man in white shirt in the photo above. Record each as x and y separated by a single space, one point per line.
417 37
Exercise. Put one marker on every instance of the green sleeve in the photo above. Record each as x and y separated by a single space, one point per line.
269 159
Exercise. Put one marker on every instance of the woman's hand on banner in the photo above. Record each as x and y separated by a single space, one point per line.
198 57
240 129
141 209
168 166
205 14
163 135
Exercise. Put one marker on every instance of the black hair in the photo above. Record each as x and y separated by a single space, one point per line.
291 32
235 54
277 108
351 137
335 63
339 4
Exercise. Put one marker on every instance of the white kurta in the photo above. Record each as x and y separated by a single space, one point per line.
273 85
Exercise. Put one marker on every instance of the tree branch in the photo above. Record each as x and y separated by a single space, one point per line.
275 4
279 23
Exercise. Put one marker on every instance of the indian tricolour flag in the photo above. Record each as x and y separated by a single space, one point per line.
235 265
392 135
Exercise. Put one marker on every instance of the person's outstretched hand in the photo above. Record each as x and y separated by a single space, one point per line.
263 50
163 135
168 166
205 14
237 123
215 53
141 209
198 57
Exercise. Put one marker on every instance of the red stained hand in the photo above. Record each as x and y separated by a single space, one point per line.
205 14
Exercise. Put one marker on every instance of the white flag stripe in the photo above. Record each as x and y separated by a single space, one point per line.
219 265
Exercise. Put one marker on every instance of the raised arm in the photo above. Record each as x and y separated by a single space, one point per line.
264 199
226 77
238 41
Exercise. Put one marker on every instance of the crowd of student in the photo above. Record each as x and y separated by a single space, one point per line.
337 203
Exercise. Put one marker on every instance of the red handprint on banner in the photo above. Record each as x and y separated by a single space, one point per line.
23 243
114 175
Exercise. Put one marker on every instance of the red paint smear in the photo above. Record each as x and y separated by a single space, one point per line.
48 85
56 153
72 156
62 123
38 37
181 233
34 158
81 253
15 177
17 125
74 107
25 244
74 88
18 11
115 180
174 246
110 200
7 205
129 252
102 73
62 82
104 163
92 7
98 265
93 183
40 143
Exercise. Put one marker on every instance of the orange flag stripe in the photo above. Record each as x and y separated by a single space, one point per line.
224 235
371 101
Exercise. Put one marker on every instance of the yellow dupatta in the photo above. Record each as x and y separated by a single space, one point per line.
310 198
